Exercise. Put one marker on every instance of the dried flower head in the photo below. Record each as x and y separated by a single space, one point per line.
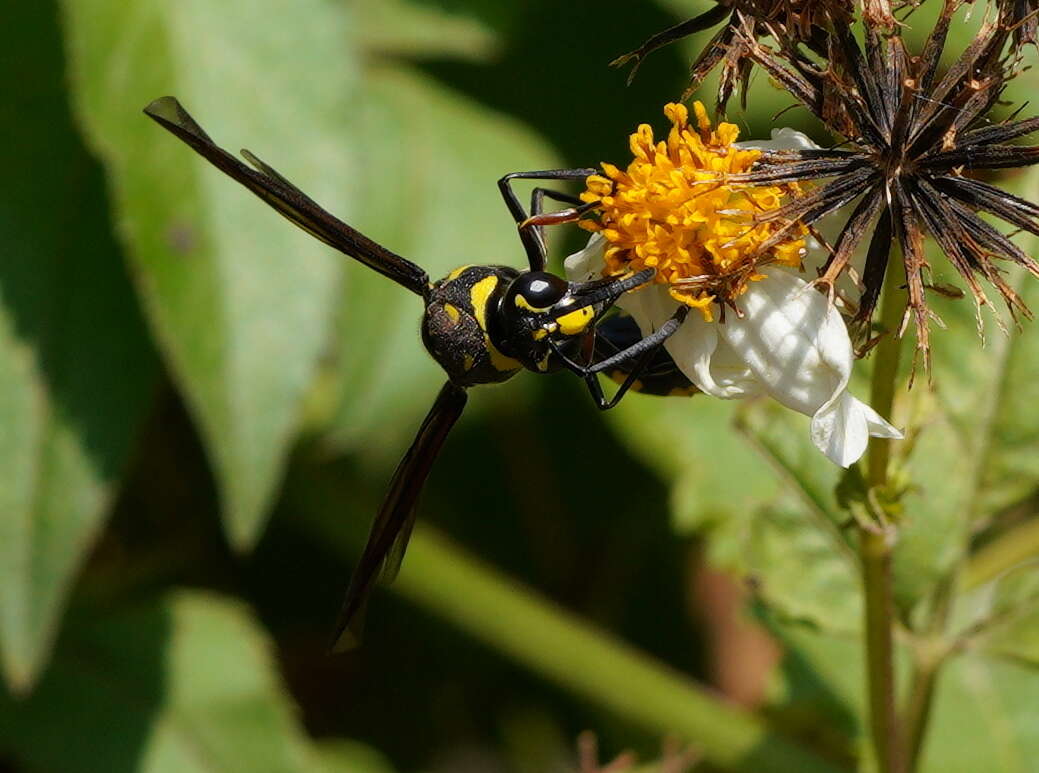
798 21
915 141
1021 17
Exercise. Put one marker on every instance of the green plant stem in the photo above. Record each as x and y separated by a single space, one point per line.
552 642
876 542
885 373
1006 551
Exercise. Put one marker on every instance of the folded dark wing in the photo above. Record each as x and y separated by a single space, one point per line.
391 529
287 199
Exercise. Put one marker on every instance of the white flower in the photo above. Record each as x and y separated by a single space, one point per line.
790 344
787 342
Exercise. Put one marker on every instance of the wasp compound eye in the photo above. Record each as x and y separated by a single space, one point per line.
537 291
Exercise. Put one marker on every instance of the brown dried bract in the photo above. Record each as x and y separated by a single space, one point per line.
797 21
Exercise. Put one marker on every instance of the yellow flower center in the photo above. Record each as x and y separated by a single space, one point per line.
674 210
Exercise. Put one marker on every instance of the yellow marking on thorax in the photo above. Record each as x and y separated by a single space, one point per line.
540 333
459 271
576 321
479 296
452 312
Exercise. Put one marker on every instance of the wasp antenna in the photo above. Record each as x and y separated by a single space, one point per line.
598 290
287 199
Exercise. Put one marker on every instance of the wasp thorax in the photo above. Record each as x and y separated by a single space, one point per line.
455 326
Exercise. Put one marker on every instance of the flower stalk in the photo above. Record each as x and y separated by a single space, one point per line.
877 540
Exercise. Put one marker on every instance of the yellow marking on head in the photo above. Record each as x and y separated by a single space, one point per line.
576 321
479 296
452 312
522 303
459 271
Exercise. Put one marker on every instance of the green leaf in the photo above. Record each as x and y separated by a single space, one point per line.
341 756
404 28
932 534
76 369
782 438
717 477
988 391
1001 617
239 301
983 718
766 506
183 684
819 687
800 570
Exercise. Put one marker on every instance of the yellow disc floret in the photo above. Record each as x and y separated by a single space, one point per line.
674 210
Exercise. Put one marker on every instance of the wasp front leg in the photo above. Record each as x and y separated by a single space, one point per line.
531 237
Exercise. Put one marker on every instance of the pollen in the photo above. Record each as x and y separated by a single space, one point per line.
674 209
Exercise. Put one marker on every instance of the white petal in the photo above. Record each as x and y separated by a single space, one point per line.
695 348
878 425
790 340
782 139
588 263
651 306
797 346
841 428
709 362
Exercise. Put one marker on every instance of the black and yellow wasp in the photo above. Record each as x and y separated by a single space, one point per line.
482 323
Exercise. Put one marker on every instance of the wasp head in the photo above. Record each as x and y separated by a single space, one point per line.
485 323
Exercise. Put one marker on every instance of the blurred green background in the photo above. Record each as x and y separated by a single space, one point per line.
200 407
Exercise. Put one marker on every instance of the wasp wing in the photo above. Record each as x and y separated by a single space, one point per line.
287 199
396 517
